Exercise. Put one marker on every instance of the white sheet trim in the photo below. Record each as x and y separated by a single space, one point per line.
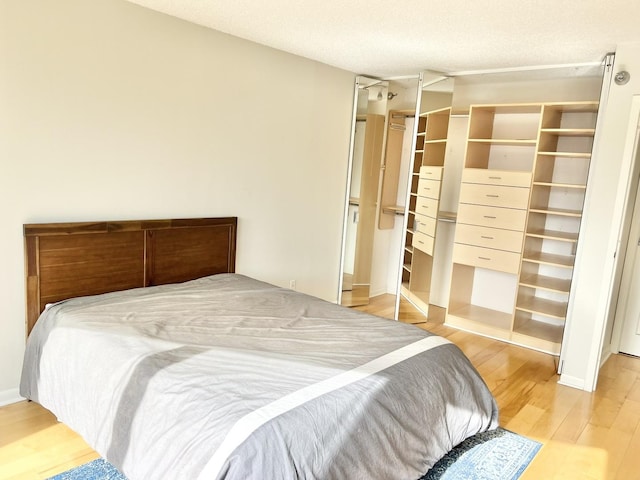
252 421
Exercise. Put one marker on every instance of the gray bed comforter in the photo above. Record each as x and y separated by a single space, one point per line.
226 377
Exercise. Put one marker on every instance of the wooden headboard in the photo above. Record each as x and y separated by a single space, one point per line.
66 260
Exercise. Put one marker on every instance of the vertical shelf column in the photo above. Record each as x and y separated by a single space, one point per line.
422 211
492 212
555 213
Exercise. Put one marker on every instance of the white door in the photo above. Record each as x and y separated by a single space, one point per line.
630 335
629 299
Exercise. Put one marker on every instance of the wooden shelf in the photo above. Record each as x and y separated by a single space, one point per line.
553 235
395 209
541 306
528 326
518 108
446 216
542 282
569 132
567 154
483 315
556 211
589 106
560 185
479 319
505 141
436 141
535 334
563 261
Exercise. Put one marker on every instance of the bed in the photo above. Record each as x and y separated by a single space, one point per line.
144 340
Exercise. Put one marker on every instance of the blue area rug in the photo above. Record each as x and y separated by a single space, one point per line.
495 455
99 469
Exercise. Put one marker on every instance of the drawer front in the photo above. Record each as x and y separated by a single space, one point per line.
423 242
509 240
496 177
507 218
427 206
425 224
499 260
432 173
429 188
494 196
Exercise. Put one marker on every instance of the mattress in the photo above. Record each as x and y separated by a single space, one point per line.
227 377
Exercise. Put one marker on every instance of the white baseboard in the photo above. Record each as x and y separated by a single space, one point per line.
10 396
375 293
573 382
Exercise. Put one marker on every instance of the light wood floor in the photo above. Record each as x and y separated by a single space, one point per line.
584 435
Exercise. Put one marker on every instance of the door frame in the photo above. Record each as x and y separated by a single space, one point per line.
632 156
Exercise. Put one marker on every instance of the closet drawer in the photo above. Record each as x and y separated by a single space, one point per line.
495 217
429 188
427 206
433 173
499 260
494 195
496 177
509 240
426 224
423 242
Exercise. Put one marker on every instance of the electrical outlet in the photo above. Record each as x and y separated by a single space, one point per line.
292 284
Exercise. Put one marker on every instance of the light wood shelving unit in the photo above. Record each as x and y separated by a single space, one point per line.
557 198
422 211
521 200
396 130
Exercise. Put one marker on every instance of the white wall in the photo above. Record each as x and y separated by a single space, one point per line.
112 111
590 310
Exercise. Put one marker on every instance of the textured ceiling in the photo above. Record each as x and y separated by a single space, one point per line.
406 36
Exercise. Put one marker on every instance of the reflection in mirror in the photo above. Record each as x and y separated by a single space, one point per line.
420 250
366 155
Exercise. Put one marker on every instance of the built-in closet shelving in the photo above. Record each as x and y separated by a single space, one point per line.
520 206
422 210
396 130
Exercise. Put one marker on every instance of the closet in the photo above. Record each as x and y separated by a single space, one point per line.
520 205
488 176
508 163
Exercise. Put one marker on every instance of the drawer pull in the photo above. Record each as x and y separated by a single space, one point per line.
492 195
487 237
484 258
489 216
495 178
420 241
